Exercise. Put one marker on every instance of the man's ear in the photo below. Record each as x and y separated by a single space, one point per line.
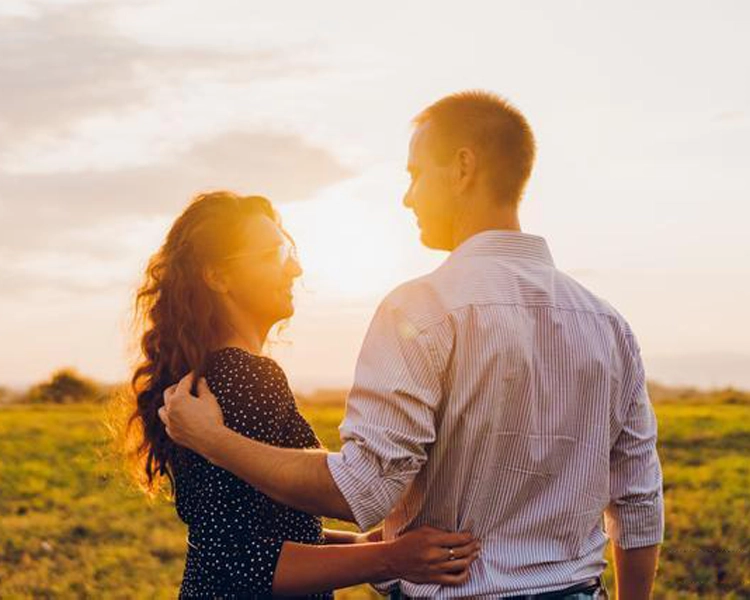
463 170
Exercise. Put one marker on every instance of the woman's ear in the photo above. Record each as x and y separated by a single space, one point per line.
214 279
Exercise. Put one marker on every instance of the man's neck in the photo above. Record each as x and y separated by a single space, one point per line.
503 221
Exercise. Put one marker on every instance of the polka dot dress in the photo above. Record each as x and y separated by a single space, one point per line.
235 533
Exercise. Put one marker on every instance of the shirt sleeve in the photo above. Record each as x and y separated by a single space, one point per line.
635 515
390 416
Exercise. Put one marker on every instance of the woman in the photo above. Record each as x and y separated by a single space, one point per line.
220 282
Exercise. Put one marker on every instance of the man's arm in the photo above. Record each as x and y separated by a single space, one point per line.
389 423
635 515
390 411
635 570
295 477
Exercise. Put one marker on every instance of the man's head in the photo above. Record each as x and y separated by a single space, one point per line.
471 152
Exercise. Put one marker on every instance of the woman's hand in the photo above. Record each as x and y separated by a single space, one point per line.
429 555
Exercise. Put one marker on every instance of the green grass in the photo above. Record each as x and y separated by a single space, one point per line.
72 527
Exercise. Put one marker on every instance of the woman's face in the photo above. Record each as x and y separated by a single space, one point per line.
259 277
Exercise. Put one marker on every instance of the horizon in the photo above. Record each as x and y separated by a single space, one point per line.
717 377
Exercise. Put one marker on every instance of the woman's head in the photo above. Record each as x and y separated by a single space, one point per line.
251 276
226 258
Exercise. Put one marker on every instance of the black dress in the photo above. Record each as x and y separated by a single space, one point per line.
235 533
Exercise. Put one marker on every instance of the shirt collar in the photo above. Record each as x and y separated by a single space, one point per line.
505 242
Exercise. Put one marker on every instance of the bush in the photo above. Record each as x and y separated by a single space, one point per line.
7 395
64 387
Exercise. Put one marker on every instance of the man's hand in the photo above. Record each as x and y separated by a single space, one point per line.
191 421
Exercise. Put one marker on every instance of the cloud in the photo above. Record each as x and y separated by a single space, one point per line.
64 63
39 212
60 274
283 167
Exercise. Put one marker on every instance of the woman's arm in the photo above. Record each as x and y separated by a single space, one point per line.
375 535
421 556
337 536
305 569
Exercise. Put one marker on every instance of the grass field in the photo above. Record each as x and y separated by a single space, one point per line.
71 527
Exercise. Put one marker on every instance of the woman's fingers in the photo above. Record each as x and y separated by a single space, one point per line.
457 564
449 539
454 566
441 554
453 579
462 551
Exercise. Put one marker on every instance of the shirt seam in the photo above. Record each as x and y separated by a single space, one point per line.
439 321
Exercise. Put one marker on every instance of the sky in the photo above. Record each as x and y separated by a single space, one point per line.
113 114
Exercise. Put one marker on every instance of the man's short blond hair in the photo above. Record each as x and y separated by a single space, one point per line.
494 129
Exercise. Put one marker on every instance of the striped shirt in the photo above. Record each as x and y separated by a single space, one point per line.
497 394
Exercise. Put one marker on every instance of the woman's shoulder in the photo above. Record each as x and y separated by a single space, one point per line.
232 364
236 358
251 391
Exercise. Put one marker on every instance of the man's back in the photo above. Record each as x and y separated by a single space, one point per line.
538 417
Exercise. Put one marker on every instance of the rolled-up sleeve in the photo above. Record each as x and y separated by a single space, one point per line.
635 515
390 415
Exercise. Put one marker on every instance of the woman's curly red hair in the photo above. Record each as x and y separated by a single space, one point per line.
177 321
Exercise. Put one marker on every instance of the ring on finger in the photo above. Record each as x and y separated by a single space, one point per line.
452 555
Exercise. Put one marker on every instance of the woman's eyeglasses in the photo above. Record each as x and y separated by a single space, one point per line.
278 254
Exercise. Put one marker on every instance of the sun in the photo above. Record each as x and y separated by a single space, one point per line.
356 241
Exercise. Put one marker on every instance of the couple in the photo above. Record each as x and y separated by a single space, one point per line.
496 402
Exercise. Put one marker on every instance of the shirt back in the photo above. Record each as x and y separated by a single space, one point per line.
499 395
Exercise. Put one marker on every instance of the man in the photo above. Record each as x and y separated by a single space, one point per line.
494 394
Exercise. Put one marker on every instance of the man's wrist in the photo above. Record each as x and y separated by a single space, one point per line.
210 446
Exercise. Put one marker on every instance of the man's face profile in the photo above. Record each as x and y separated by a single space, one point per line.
429 194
